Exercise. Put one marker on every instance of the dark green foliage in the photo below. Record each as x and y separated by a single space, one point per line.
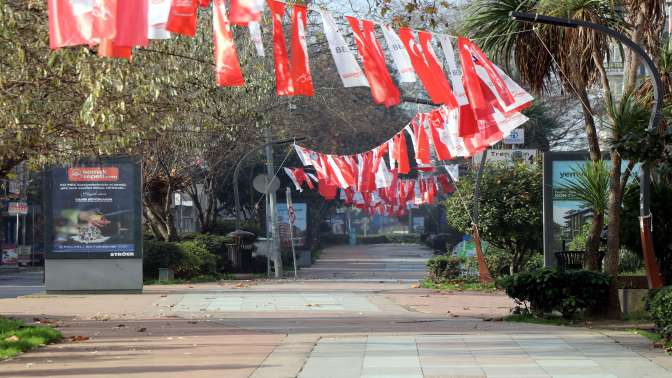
225 227
327 240
661 204
187 259
547 290
510 209
160 254
444 268
659 306
197 260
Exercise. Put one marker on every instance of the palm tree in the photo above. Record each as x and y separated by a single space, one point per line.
590 187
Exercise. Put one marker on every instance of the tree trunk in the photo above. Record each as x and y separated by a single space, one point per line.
591 130
592 258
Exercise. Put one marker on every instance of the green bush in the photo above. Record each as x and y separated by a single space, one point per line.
160 254
659 306
373 239
444 268
547 290
224 227
197 260
327 240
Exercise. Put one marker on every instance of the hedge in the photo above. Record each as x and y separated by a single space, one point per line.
659 306
548 290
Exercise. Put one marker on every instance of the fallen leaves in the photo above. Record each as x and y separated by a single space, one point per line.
76 339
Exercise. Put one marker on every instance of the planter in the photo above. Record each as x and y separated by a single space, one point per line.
633 301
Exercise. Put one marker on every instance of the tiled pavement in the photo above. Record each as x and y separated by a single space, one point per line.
578 355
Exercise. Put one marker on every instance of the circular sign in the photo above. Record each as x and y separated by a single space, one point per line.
259 184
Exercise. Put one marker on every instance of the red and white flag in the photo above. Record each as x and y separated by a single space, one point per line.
383 176
346 64
227 67
283 79
427 67
300 68
183 17
383 89
245 11
81 22
401 154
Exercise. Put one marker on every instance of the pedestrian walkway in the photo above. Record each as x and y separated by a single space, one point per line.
377 262
573 355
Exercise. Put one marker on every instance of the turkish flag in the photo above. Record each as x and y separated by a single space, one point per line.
300 68
81 22
244 11
284 85
227 67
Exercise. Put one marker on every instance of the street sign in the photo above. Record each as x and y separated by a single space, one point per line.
508 156
17 208
260 182
517 136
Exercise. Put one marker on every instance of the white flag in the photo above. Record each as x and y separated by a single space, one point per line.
157 17
455 77
255 35
346 64
453 171
399 55
383 176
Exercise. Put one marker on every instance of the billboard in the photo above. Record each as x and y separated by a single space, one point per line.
300 223
564 216
94 210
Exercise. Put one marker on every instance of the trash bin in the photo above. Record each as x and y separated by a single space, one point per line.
240 250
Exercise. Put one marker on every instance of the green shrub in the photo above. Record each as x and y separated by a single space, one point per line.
160 254
444 268
224 227
389 238
197 260
629 261
373 239
659 306
547 290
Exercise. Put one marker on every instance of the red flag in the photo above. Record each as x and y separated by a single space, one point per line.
79 23
283 81
244 11
426 66
132 23
183 17
383 89
402 154
422 155
300 69
479 57
107 48
327 189
204 3
227 67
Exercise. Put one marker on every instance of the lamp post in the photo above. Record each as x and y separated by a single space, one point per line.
645 219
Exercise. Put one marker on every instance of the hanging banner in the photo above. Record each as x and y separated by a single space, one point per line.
255 36
399 55
94 210
346 64
227 67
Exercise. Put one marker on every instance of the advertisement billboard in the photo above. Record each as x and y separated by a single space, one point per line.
94 210
300 223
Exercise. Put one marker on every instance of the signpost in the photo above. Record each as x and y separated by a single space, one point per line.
292 219
517 136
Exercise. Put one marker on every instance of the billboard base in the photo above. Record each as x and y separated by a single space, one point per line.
93 275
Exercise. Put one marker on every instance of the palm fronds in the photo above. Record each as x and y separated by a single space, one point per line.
590 186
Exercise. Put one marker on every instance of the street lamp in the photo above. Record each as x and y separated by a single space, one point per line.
645 219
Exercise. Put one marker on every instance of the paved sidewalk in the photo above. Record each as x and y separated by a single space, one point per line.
326 327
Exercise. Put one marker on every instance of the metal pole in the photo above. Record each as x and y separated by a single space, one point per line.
272 201
290 209
645 218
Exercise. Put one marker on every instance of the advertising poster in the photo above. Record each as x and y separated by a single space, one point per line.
419 224
94 210
564 216
300 223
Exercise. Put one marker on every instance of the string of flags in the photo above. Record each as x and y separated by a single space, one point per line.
117 26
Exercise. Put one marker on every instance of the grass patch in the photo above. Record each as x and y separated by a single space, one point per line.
558 321
458 286
17 337
655 338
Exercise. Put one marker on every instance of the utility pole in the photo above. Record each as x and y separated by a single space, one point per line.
273 204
